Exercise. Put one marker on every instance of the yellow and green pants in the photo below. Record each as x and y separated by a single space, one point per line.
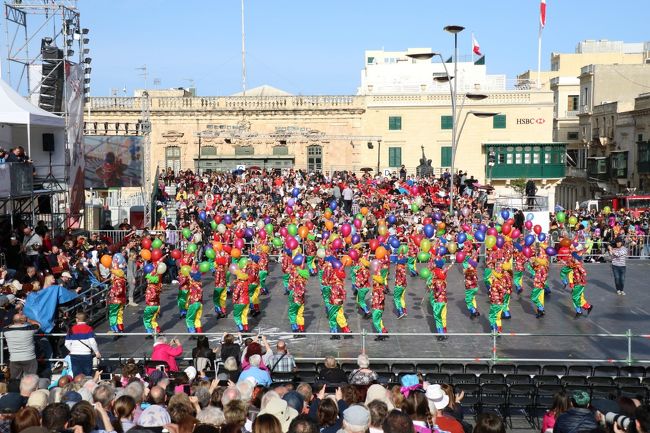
193 318
254 296
487 273
263 275
518 279
361 298
336 317
116 317
439 314
578 298
537 298
240 315
219 297
296 313
377 321
181 302
150 317
495 317
410 265
470 299
399 299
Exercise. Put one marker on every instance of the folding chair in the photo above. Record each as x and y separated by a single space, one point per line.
452 368
492 378
557 370
463 378
469 403
579 370
504 368
529 369
518 379
574 380
477 369
521 399
606 371
493 398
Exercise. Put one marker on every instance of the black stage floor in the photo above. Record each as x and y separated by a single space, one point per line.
612 314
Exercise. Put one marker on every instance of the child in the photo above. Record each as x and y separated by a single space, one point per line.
195 304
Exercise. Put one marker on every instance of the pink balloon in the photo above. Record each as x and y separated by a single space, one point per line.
528 224
460 256
374 266
515 233
357 223
346 229
466 228
292 243
288 210
527 251
284 232
354 254
337 244
381 239
239 243
261 233
492 231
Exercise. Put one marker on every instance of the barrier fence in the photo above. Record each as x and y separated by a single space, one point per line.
497 341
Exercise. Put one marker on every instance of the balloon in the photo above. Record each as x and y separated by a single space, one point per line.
148 268
227 219
328 213
573 220
394 243
354 254
249 233
500 220
221 228
515 233
145 254
374 265
425 245
585 223
298 259
506 229
527 251
295 192
607 210
492 231
441 226
106 260
505 214
479 236
277 242
364 211
461 238
261 234
452 247
213 225
292 229
537 229
204 267
541 237
530 217
437 216
442 251
345 230
185 270
336 264
239 243
560 217
346 260
156 254
517 246
119 259
303 231
233 268
490 241
268 228
440 263
382 230
291 202
564 242
329 225
358 223
425 273
146 243
414 207
403 249
209 253
157 243
333 205
326 235
356 239
202 215
460 256
288 210
380 252
321 253
162 268
428 230
187 233
466 228
529 240
392 219
550 251
235 253
373 244
337 244
284 232
528 224
291 243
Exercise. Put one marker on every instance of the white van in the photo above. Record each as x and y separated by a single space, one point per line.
589 205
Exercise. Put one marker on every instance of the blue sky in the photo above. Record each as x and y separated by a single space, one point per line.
317 46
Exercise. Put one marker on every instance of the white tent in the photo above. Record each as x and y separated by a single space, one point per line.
24 124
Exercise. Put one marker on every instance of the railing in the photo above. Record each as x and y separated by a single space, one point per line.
172 237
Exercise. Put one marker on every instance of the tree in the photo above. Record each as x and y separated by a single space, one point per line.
519 185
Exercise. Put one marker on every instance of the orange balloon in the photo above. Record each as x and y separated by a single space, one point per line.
441 226
381 222
218 246
329 225
364 211
328 214
145 254
348 240
564 242
107 260
235 253
346 260
303 232
380 252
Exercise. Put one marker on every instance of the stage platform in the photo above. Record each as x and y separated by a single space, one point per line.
612 314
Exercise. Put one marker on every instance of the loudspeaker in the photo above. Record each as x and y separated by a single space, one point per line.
48 142
44 204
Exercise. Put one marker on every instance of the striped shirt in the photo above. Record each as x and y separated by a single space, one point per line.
618 256
81 340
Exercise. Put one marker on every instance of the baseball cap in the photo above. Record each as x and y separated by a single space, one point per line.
66 274
357 416
11 402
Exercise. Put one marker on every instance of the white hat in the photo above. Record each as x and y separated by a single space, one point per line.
191 373
437 396
66 274
281 410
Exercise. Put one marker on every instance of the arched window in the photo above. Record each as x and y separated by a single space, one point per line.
173 158
314 158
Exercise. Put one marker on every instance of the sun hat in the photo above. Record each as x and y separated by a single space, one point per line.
437 396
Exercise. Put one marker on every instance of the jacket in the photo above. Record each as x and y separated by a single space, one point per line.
575 420
165 352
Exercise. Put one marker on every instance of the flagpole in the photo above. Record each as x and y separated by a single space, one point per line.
539 57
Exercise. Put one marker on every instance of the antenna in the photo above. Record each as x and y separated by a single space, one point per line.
144 74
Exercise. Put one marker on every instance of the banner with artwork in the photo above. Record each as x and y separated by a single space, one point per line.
113 161
74 135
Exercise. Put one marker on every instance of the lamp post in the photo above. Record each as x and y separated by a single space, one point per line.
371 146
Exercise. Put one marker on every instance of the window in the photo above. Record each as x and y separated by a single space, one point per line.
445 156
572 135
526 158
173 158
394 156
280 150
244 150
446 122
501 158
535 158
395 123
517 158
572 102
499 121
314 158
371 60
508 158
208 151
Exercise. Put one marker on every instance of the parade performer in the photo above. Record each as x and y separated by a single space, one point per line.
378 299
253 271
263 263
399 291
336 315
116 297
220 293
285 263
183 291
519 261
310 252
578 283
240 300
152 301
326 275
497 292
297 283
507 281
565 272
437 290
490 264
413 249
362 281
471 286
385 269
540 269
195 304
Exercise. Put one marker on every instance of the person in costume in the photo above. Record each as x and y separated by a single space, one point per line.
566 275
470 275
362 281
285 263
437 290
183 291
578 283
507 281
117 297
240 300
540 269
497 292
385 269
263 263
326 271
253 271
399 291
336 315
490 264
378 301
519 266
220 293
413 249
195 304
297 284
152 302
310 252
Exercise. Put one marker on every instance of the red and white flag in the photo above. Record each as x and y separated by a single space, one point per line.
542 14
475 46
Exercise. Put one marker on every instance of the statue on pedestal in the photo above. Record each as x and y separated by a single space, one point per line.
424 169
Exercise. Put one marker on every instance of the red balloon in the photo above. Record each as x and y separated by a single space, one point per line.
427 220
527 251
217 219
354 254
292 243
227 248
176 254
510 221
156 255
239 243
381 239
337 244
492 231
146 243
563 251
506 229
239 233
514 234
460 256
310 225
358 223
261 233
284 232
537 229
373 244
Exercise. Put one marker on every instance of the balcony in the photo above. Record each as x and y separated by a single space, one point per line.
571 113
530 160
576 172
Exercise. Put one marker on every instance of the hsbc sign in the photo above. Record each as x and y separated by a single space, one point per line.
531 121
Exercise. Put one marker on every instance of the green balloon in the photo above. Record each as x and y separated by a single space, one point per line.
425 273
187 233
561 217
573 220
423 257
204 267
269 229
243 262
292 229
209 253
191 248
277 242
359 216
414 207
498 228
403 249
213 224
157 243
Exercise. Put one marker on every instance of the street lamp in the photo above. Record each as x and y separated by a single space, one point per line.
371 146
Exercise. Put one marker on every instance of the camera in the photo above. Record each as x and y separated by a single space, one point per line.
622 421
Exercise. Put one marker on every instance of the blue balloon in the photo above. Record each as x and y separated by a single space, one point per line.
394 243
550 251
482 228
298 259
461 238
517 246
148 268
541 237
202 215
336 264
443 241
437 216
479 236
119 259
529 240
442 251
356 239
391 219
505 214
429 231
333 205
295 192
530 217
440 263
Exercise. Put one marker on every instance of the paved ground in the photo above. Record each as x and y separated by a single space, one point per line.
612 314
